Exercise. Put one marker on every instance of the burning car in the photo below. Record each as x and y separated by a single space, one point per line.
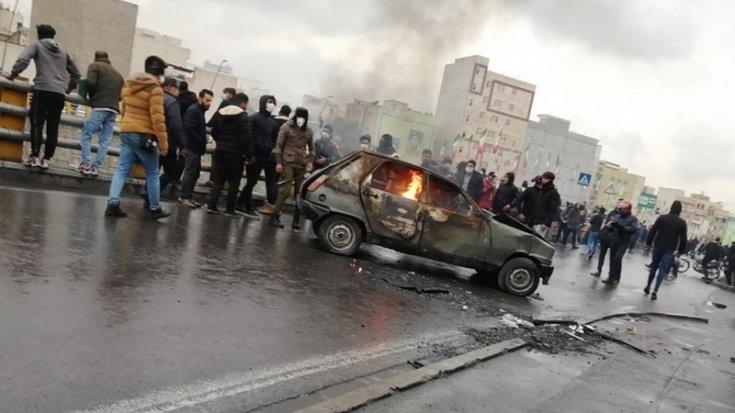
369 197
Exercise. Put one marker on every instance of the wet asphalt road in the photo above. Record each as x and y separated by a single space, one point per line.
100 313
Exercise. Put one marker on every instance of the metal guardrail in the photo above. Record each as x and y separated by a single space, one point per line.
66 120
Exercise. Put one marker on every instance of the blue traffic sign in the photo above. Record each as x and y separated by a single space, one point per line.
584 179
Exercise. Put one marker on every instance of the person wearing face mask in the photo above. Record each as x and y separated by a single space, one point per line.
386 146
326 150
615 235
365 142
265 131
294 156
506 194
470 180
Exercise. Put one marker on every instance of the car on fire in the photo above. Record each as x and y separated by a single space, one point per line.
369 197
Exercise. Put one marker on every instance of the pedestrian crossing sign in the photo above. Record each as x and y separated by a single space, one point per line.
584 179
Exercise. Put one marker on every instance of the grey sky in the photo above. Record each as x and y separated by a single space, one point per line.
652 80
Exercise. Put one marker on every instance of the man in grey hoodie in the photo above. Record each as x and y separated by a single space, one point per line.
56 75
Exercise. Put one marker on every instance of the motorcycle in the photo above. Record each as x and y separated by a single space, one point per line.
712 272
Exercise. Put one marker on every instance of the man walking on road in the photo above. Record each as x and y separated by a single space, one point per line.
294 153
621 225
175 129
232 132
669 239
573 217
195 145
56 75
104 84
594 234
264 135
143 136
526 203
547 206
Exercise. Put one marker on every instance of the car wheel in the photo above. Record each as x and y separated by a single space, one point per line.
339 234
519 276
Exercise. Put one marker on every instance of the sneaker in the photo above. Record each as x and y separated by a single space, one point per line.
654 296
31 161
595 274
94 171
186 203
296 228
612 283
250 213
275 221
589 256
156 214
44 163
646 291
83 169
115 211
266 209
232 214
36 162
208 184
196 204
212 211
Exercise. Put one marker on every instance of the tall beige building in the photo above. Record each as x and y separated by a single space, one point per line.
85 26
483 115
613 182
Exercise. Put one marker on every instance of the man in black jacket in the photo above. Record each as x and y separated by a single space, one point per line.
620 226
195 145
326 149
265 132
526 203
669 238
506 194
470 180
232 132
547 206
175 129
712 251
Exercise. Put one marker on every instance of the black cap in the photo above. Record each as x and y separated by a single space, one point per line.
548 175
155 65
45 31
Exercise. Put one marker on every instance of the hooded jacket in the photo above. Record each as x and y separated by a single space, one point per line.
264 130
527 201
293 141
174 124
624 227
142 108
55 71
546 207
195 130
596 221
669 232
573 217
186 99
231 130
505 195
104 84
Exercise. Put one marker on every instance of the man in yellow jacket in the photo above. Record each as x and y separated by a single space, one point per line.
142 136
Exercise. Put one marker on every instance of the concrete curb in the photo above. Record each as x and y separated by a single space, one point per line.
355 399
641 314
724 286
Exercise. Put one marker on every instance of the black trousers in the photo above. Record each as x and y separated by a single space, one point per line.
171 172
46 110
192 169
253 171
567 231
617 251
227 168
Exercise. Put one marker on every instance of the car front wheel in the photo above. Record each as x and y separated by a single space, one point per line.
519 276
339 234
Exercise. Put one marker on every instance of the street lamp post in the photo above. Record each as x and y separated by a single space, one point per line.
219 68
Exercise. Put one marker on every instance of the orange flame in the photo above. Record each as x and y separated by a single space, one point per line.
414 188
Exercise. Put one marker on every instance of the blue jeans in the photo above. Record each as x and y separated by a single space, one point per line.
101 121
592 238
662 262
130 152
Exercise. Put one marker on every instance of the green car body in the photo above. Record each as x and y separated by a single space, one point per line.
368 197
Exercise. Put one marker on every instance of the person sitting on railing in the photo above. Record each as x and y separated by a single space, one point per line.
143 136
56 75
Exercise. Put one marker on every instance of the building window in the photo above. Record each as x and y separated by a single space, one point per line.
485 99
507 122
494 119
467 119
500 88
482 115
474 88
514 91
498 103
470 103
510 107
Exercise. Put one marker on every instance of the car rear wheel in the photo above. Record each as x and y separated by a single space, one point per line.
339 234
519 276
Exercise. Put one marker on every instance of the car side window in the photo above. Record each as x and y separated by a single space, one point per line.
399 180
447 196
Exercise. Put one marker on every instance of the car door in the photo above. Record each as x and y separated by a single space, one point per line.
452 225
390 196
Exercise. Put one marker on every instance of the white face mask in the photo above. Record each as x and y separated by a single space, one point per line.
270 107
364 146
469 169
300 122
161 79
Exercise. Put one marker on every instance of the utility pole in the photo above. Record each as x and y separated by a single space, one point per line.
219 68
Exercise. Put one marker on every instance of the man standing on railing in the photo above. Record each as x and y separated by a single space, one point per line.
104 84
195 145
56 75
143 136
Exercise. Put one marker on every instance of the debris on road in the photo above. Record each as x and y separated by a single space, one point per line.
514 322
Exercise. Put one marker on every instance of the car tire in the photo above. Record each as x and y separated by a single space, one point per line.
340 235
519 276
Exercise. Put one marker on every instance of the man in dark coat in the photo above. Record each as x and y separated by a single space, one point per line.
712 251
526 203
620 226
547 206
470 180
669 238
175 129
506 194
195 145
573 218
